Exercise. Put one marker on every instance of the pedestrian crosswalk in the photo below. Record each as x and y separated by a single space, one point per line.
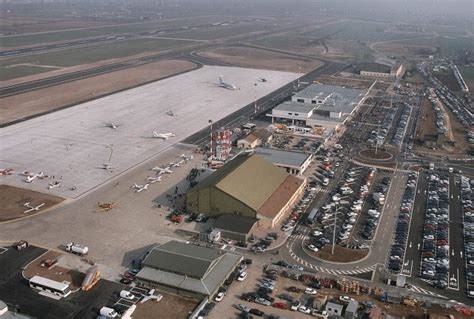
425 291
319 189
331 271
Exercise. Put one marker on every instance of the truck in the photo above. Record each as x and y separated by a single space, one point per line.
22 244
77 249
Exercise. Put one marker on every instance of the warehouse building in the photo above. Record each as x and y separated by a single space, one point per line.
317 106
256 138
293 162
186 269
381 70
249 186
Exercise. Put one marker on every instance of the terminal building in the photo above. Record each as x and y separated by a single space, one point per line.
248 186
318 105
186 269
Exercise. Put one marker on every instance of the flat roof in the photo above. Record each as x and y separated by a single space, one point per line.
291 106
235 223
374 67
282 157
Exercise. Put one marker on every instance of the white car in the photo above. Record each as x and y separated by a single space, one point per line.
345 298
310 291
313 248
304 309
242 276
219 296
317 233
350 180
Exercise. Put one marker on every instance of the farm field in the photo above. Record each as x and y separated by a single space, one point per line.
71 57
255 58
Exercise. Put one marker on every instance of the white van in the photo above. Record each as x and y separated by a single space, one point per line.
108 312
325 181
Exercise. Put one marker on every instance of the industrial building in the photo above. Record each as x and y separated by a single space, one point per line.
248 185
293 162
381 70
317 106
256 138
186 269
235 227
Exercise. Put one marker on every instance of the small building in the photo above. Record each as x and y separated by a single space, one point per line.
256 138
293 162
248 185
320 301
186 269
235 227
381 70
334 309
351 309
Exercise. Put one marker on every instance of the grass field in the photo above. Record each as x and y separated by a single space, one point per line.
92 54
468 76
20 71
32 39
216 32
446 46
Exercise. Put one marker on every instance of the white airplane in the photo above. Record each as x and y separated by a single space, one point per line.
150 296
177 164
226 85
139 188
162 170
187 157
32 208
262 80
6 171
107 167
170 113
164 136
112 125
54 185
30 177
153 179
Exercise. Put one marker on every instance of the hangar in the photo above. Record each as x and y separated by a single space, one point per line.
249 186
186 269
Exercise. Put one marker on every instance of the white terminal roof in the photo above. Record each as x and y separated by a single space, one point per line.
70 144
282 157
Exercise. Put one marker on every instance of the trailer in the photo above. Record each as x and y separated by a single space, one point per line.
77 249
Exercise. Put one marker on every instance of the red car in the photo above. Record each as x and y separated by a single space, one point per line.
128 275
280 305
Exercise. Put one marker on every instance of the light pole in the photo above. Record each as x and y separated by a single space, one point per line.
210 122
335 224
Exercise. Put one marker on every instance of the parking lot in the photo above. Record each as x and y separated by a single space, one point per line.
16 292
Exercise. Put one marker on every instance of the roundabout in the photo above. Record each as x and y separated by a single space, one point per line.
375 154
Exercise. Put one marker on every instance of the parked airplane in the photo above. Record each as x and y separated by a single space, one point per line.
153 179
107 167
177 164
170 113
164 136
150 296
162 170
30 177
91 278
226 85
112 125
32 208
6 171
187 157
140 188
54 185
262 80
105 206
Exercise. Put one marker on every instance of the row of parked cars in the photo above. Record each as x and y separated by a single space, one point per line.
379 136
401 125
435 248
301 207
468 220
398 249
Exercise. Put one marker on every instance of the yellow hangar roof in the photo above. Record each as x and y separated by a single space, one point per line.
248 178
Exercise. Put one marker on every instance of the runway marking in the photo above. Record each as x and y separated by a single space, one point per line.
3 250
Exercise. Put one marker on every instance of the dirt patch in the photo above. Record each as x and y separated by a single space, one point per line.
345 81
43 100
255 58
341 254
54 272
171 306
402 49
378 155
427 121
13 200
